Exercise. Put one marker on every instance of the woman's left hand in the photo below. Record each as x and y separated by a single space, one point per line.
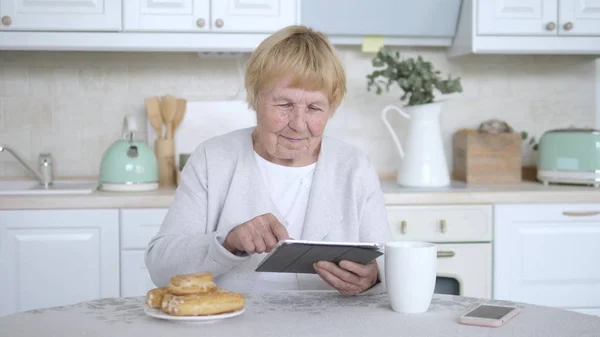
349 278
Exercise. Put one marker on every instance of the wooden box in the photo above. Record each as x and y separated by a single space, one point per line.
486 158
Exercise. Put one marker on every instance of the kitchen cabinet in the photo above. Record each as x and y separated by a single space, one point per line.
523 17
142 25
527 27
463 234
539 17
259 16
57 257
547 254
577 17
73 15
138 226
180 15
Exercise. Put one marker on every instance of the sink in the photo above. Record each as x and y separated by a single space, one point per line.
31 187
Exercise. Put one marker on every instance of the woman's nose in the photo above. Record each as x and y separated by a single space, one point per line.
298 121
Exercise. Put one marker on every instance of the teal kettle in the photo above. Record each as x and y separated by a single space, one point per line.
128 165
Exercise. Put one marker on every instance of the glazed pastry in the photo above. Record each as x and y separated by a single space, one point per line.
165 301
213 303
191 284
154 297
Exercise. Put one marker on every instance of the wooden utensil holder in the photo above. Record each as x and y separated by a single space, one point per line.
165 155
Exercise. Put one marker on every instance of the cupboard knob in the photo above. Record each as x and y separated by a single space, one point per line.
568 26
550 26
403 226
219 23
443 226
200 23
6 20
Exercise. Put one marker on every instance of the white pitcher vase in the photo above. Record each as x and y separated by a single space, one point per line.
422 159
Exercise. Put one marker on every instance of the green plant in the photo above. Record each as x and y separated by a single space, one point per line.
532 142
417 78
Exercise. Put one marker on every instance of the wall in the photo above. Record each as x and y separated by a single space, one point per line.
72 103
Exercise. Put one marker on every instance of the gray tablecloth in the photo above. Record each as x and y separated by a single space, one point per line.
296 314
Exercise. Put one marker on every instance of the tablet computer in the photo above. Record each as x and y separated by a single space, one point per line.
298 256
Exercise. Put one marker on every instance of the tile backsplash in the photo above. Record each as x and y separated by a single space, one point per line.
72 103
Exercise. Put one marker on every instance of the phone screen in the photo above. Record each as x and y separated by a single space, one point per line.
489 311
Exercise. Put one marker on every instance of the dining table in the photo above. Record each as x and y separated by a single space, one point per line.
296 313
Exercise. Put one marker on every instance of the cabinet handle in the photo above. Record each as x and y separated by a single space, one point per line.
550 26
403 226
219 23
582 213
443 226
568 26
445 253
6 20
200 23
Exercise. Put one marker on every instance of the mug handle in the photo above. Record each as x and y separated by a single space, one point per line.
389 127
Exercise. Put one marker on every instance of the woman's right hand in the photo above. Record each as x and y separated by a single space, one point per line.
258 235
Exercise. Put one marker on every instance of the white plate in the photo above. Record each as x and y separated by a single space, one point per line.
157 313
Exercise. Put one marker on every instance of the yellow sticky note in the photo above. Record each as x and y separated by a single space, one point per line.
372 44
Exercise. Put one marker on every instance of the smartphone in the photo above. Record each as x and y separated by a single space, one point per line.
489 315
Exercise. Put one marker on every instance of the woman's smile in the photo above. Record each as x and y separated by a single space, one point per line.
293 139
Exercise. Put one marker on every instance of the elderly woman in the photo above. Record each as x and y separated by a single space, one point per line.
242 192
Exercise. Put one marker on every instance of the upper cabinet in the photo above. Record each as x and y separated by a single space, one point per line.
579 17
54 15
231 16
172 16
517 17
142 25
528 27
258 16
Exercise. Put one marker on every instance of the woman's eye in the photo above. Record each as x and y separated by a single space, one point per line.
314 108
285 105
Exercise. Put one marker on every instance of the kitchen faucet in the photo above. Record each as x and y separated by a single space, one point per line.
45 163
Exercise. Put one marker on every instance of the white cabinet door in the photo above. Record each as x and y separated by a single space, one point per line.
517 17
135 280
53 15
57 257
159 15
138 226
257 16
579 17
468 263
548 254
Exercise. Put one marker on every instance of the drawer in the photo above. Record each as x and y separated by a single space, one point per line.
138 226
563 212
458 223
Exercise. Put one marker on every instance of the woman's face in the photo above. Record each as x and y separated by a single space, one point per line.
290 124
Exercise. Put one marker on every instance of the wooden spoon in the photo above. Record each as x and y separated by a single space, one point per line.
168 107
180 113
154 115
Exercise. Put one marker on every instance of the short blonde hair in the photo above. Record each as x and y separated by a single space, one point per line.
301 52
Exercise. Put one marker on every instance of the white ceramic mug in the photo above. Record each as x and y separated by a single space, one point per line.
410 274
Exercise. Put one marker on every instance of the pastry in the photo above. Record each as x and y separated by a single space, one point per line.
154 297
191 284
212 303
165 301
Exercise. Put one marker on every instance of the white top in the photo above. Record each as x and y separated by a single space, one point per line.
289 188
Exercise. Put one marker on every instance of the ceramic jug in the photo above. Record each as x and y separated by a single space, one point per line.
422 159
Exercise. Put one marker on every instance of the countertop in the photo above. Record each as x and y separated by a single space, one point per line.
455 194
297 313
